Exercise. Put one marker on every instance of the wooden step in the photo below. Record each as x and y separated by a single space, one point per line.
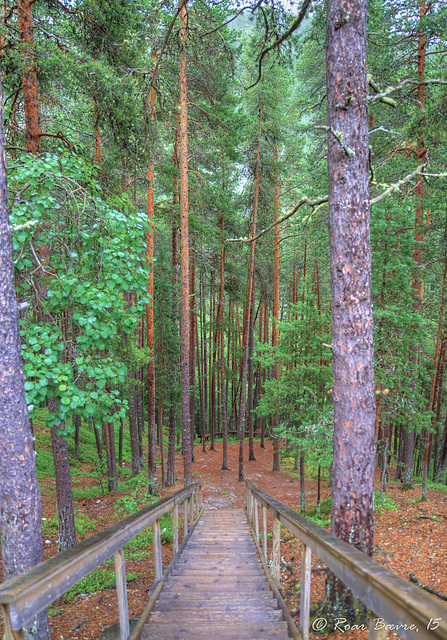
176 630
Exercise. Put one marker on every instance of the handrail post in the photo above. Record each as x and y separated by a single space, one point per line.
191 508
306 564
185 515
200 498
373 632
175 528
255 512
121 592
248 502
264 530
156 541
276 556
10 633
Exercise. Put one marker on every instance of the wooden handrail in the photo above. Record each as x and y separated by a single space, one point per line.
394 601
29 593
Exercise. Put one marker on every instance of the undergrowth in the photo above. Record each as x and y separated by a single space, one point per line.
97 580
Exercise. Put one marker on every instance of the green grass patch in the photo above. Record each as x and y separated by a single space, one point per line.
388 503
89 492
97 580
84 525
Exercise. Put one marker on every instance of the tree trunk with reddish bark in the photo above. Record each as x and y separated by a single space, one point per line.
151 434
275 332
243 402
192 343
184 273
29 79
170 467
351 308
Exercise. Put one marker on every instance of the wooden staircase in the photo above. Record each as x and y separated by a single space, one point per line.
218 590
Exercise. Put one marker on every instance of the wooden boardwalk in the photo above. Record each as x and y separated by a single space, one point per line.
218 590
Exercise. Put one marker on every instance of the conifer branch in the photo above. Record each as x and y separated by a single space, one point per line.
382 96
400 183
286 216
316 204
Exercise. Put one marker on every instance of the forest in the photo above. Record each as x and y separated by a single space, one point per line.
209 203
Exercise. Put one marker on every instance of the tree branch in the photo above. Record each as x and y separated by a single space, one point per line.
293 27
380 96
224 24
337 135
286 216
397 185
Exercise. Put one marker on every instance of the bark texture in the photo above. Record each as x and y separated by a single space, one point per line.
251 272
152 445
65 508
352 319
184 246
20 511
29 80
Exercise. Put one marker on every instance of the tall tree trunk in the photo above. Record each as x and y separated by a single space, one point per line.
97 133
133 427
184 277
351 309
241 423
151 435
275 332
192 343
418 283
170 470
77 425
437 377
20 513
109 439
251 444
160 418
65 507
29 79
223 392
204 361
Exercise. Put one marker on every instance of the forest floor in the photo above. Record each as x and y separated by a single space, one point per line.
410 536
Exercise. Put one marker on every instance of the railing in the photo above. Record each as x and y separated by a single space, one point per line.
26 595
413 613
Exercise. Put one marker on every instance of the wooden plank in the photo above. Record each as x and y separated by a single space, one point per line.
191 508
10 633
306 565
227 630
255 511
175 528
276 557
264 531
185 516
121 592
156 544
374 632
